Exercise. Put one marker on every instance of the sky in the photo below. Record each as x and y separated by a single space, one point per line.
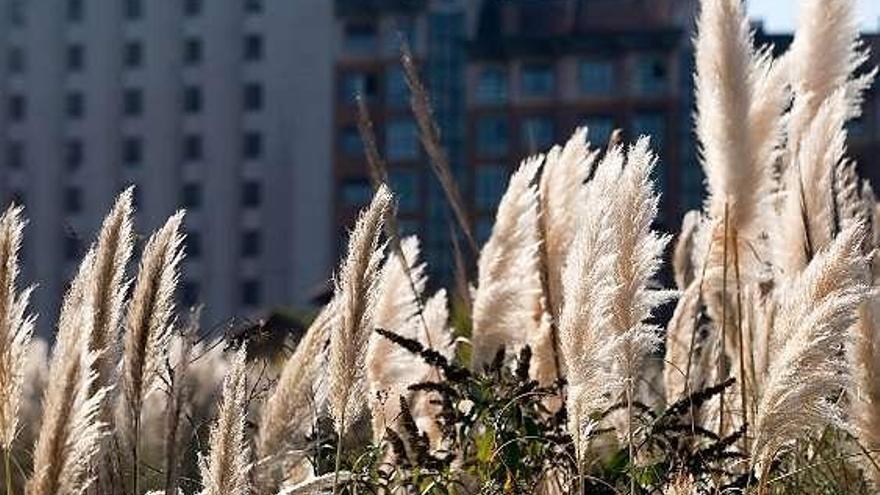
781 15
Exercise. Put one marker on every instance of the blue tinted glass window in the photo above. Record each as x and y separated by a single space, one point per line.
537 133
402 140
538 80
405 184
492 135
596 77
492 86
599 129
651 75
491 182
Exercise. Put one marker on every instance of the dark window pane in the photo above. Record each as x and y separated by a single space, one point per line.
17 12
251 244
132 103
596 77
193 244
356 191
253 47
75 10
402 140
251 194
361 37
350 142
75 58
192 7
189 293
405 184
16 60
131 151
192 147
15 154
492 135
192 99
17 107
192 51
72 200
651 75
74 105
191 196
253 96
538 80
73 154
491 182
72 246
253 145
251 292
134 9
134 54
492 86
253 6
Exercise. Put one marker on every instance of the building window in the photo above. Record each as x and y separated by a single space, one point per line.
192 51
405 184
251 293
15 154
191 196
74 103
192 8
72 200
538 80
651 75
16 60
189 293
75 58
134 9
132 102
404 30
350 142
253 47
132 151
251 194
253 6
253 96
491 182
396 89
599 129
73 153
652 125
492 86
192 147
492 135
134 54
356 84
17 12
596 77
72 246
17 108
402 140
356 192
250 244
75 10
252 147
193 244
192 99
537 133
361 37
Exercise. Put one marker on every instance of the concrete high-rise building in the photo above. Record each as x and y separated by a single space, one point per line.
220 106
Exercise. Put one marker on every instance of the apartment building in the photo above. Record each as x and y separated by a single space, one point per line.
219 106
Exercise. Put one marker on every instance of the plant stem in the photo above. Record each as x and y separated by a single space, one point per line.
722 355
338 453
629 433
7 469
135 470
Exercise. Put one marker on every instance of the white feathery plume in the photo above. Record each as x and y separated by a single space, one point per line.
508 282
295 401
70 432
16 327
561 195
823 57
108 286
810 334
682 370
356 293
807 223
865 395
148 327
683 253
225 471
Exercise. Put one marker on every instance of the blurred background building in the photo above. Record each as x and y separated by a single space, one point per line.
219 106
242 111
